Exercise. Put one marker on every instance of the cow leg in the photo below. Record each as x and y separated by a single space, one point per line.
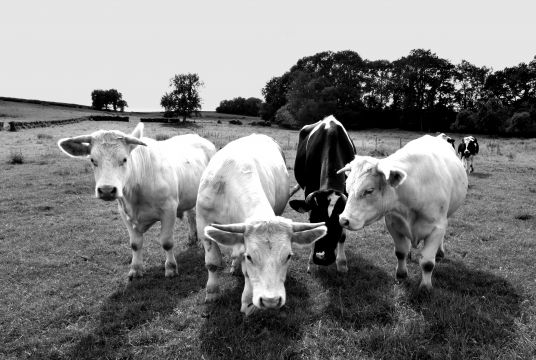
472 169
440 255
235 267
166 240
310 263
192 227
341 262
213 263
431 245
247 306
136 244
402 249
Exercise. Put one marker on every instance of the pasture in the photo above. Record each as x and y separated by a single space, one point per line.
64 256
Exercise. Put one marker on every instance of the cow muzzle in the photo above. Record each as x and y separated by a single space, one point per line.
107 193
271 302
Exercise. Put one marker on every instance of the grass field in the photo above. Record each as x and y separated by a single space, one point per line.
64 256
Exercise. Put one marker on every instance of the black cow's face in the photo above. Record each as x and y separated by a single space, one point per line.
324 206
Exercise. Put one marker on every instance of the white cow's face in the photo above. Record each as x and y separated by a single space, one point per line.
109 154
370 187
266 247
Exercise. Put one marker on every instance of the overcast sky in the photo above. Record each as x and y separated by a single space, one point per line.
62 50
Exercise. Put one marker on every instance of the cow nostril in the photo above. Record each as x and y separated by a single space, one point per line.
344 221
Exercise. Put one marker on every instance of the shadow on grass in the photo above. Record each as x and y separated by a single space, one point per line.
480 175
469 314
228 334
360 298
137 303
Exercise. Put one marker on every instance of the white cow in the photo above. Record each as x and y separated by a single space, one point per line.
243 189
156 181
417 188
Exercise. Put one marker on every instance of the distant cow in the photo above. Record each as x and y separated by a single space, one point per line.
416 189
447 139
467 149
151 181
243 189
324 148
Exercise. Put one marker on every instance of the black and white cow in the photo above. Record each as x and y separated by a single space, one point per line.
467 149
324 148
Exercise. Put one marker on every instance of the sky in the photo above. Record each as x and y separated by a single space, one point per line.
61 50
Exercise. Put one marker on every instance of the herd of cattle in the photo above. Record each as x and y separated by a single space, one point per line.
234 197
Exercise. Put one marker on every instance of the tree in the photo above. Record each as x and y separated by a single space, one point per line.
102 98
240 106
469 84
183 99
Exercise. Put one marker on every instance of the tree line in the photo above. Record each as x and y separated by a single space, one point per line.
420 91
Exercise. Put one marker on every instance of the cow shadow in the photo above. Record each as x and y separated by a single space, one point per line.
480 175
137 303
228 334
359 298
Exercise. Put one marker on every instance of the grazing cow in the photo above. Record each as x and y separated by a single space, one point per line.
447 139
324 148
467 149
151 181
243 189
417 188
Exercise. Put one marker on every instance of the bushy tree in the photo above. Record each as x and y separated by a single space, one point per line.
101 99
183 99
240 106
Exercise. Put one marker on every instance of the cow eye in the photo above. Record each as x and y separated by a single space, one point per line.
289 256
249 258
368 192
93 162
124 161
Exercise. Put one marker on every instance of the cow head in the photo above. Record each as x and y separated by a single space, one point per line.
266 246
109 153
447 138
324 206
371 187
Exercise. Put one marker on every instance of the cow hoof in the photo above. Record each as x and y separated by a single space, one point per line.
343 269
171 273
134 274
211 297
425 288
401 276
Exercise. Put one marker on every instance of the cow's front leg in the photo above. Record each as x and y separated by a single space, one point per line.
431 245
247 306
342 265
192 227
166 240
236 264
213 263
136 244
402 249
310 262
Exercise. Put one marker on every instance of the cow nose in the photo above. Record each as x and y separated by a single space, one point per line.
270 303
344 221
107 192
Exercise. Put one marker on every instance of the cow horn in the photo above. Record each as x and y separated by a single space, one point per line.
82 139
131 140
299 226
294 190
234 228
309 198
348 167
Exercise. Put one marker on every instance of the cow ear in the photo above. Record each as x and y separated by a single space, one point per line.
393 175
224 238
138 131
307 237
299 205
78 147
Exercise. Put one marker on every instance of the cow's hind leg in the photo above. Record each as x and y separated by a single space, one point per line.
431 245
166 240
310 261
192 227
136 244
402 249
342 265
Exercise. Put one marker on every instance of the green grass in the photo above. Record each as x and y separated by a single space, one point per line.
64 256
